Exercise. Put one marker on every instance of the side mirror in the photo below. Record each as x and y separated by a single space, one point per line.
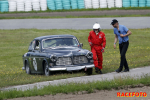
81 44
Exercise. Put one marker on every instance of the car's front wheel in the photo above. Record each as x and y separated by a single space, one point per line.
28 71
46 69
89 71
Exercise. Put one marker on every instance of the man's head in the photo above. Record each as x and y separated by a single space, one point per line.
96 28
114 23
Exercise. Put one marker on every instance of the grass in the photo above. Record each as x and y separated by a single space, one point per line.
117 83
85 16
90 9
14 43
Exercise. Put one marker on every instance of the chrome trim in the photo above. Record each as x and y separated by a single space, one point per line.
80 60
71 68
64 61
57 69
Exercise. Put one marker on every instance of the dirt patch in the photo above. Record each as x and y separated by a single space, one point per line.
98 95
80 13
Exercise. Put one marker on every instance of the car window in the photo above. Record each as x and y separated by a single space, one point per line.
30 47
37 45
33 44
49 43
75 41
56 42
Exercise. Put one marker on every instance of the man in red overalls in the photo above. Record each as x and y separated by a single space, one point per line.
97 42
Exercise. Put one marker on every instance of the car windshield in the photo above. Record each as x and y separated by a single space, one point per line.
59 42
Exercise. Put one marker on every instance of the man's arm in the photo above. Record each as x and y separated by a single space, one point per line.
128 33
116 39
89 39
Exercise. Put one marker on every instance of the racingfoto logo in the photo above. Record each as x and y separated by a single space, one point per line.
131 94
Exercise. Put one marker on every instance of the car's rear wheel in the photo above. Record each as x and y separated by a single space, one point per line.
28 71
89 71
46 69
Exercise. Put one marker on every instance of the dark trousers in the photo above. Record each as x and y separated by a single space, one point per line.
123 49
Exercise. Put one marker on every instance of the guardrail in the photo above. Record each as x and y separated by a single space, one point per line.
37 5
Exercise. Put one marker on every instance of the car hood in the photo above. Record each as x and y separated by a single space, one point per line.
66 51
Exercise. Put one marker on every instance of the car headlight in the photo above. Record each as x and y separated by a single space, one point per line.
53 58
89 55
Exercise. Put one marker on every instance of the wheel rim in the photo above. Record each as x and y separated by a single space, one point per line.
46 70
27 69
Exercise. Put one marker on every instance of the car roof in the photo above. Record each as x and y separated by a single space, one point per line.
53 36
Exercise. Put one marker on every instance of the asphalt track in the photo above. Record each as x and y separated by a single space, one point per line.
74 23
135 73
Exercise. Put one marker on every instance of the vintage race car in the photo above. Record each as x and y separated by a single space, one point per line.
57 53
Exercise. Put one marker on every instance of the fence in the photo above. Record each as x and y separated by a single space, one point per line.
37 5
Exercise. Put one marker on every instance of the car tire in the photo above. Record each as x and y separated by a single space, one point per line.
46 70
89 71
28 71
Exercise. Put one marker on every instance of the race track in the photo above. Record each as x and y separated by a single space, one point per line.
74 23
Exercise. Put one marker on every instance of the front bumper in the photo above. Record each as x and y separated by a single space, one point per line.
71 68
75 68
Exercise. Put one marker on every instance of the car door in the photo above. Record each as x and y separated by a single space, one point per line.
36 57
31 53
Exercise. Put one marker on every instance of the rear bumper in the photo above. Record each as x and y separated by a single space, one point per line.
71 68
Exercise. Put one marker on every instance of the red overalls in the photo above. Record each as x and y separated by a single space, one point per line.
97 42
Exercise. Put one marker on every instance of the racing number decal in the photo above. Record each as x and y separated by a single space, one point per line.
34 64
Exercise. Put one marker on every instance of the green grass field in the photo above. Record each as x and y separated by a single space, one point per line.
14 43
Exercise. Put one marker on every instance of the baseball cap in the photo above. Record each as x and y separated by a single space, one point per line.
113 22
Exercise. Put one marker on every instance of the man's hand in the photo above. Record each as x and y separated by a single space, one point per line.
121 35
102 50
114 46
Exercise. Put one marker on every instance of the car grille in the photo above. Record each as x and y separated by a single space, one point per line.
64 61
68 61
80 60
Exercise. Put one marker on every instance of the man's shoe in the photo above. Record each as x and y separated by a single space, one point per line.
100 72
118 70
126 70
96 70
